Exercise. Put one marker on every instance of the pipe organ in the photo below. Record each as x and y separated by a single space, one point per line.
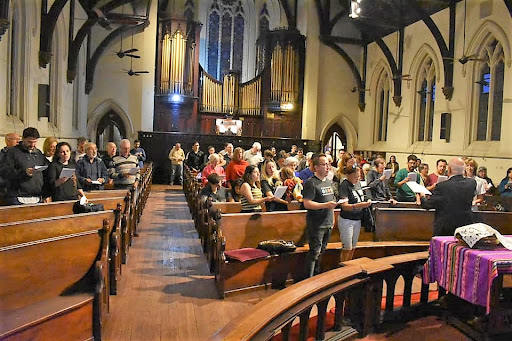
189 100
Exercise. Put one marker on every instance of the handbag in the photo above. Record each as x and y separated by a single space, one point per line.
368 219
87 208
277 246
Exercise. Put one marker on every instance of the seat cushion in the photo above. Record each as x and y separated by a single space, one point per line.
245 254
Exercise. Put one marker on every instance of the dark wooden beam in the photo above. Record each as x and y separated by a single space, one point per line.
397 76
74 48
345 40
48 23
509 6
4 17
337 18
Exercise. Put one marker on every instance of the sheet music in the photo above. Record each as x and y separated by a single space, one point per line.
40 168
441 178
413 176
417 188
67 172
387 173
280 190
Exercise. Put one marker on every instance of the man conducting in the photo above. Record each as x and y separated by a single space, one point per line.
452 200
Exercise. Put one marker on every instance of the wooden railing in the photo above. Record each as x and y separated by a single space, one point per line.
357 292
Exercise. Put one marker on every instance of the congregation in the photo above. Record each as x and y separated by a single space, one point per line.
321 183
29 175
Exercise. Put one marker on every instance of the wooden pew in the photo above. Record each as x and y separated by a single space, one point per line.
245 230
417 224
55 277
236 207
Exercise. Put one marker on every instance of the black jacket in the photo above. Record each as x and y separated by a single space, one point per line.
14 171
452 201
195 160
68 190
87 170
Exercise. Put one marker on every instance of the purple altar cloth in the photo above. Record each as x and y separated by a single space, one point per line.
466 273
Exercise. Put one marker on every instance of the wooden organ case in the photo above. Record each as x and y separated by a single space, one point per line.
189 100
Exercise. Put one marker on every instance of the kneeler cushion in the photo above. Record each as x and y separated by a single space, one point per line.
245 254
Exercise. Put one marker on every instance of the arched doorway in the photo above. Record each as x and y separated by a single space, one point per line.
334 141
110 129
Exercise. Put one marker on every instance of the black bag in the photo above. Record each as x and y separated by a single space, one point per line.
89 207
368 219
277 246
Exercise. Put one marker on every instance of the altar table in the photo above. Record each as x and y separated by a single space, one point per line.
464 272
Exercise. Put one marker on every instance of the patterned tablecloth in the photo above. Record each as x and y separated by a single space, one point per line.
467 273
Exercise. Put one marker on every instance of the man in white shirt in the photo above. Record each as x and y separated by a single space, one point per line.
253 155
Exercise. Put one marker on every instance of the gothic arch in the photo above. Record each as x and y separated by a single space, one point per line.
98 113
376 71
490 27
423 52
347 126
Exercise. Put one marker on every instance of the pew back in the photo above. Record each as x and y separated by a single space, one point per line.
53 209
236 207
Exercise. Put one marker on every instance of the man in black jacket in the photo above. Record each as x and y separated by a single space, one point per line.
195 159
452 200
22 170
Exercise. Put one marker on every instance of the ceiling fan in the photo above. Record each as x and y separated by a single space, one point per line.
127 53
465 58
133 73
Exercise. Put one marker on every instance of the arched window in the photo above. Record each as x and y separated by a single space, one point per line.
426 95
382 107
226 33
488 92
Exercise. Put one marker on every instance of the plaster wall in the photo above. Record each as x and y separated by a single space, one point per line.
496 155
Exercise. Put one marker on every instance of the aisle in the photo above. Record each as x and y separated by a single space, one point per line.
166 290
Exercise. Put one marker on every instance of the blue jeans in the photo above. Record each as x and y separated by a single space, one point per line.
318 237
176 172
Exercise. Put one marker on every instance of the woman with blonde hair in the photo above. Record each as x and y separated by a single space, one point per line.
269 181
49 147
213 166
481 184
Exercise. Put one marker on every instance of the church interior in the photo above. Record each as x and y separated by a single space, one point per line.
431 78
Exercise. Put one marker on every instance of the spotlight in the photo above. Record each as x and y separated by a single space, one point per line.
176 98
287 106
355 8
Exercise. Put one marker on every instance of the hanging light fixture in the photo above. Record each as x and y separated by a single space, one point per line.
355 8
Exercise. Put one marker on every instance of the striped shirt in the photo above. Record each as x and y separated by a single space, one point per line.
256 194
122 166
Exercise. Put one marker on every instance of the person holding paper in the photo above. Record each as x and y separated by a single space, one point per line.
433 178
24 182
251 196
214 190
91 171
319 201
127 172
270 180
349 222
423 171
63 187
213 166
505 186
377 180
404 193
452 200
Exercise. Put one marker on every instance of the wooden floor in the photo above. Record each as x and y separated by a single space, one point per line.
166 291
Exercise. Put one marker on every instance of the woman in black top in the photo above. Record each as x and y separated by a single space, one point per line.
65 188
269 182
349 222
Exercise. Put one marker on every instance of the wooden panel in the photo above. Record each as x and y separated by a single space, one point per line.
63 318
59 208
46 269
31 230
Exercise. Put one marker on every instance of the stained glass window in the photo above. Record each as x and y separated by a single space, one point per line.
225 37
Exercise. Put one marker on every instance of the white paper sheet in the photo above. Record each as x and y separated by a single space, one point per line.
387 173
83 200
40 168
441 178
341 201
280 190
417 188
67 172
96 182
413 176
